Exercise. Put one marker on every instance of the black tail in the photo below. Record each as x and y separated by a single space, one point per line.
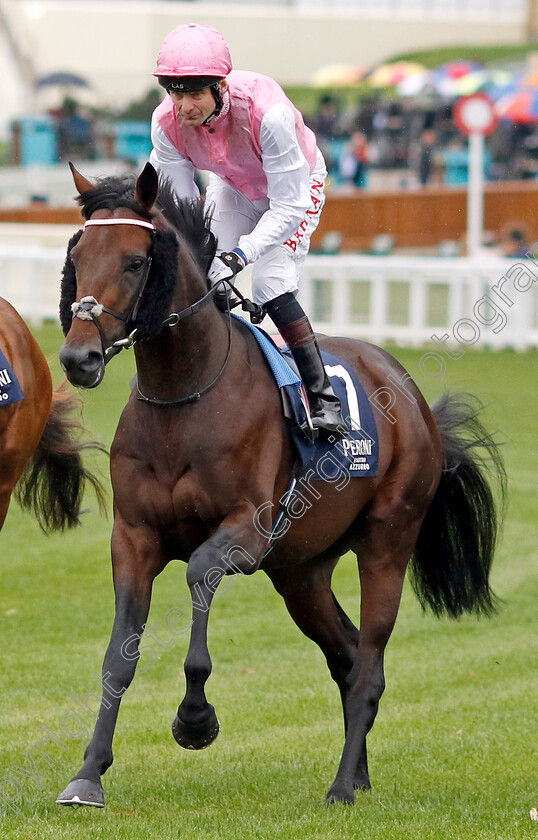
454 551
52 485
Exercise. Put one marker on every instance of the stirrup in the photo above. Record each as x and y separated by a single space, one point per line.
327 418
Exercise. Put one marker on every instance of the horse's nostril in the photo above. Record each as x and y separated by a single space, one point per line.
82 367
92 361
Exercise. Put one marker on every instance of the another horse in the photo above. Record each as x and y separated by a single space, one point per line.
40 453
202 455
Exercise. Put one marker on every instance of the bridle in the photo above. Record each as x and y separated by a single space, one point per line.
89 309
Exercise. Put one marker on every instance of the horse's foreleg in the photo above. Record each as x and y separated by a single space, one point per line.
195 725
134 573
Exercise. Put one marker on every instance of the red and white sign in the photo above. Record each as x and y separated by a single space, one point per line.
475 114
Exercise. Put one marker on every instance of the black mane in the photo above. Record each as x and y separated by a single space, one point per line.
191 219
190 229
187 216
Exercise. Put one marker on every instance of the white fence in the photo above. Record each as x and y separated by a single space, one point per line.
407 300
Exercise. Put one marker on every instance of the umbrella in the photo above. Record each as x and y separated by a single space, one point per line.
519 83
388 75
519 108
61 79
482 80
414 85
455 69
337 74
448 77
528 79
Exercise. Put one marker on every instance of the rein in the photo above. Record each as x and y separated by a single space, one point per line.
89 309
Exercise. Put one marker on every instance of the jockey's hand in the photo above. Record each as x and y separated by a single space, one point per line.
226 265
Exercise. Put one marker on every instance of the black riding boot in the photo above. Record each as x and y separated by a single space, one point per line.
325 407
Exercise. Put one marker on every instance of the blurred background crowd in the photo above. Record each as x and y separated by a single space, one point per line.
386 126
390 128
406 124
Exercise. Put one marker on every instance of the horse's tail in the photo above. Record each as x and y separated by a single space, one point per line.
52 485
454 551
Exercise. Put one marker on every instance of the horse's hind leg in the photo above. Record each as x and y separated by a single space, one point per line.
385 551
312 605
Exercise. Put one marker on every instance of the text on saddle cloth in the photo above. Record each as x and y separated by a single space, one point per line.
10 390
357 453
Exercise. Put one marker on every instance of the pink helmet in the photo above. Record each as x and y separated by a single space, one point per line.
194 50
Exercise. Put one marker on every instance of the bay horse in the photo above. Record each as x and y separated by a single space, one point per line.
202 455
40 451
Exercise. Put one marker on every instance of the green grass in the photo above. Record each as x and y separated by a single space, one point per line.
453 753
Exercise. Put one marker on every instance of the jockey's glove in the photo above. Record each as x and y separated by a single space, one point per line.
226 265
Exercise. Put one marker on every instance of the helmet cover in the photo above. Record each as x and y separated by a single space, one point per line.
194 50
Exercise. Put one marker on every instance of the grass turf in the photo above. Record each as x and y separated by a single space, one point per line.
453 752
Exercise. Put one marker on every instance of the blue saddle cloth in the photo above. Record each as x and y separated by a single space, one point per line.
356 454
10 390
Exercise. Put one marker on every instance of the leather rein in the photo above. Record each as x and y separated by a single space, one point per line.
89 309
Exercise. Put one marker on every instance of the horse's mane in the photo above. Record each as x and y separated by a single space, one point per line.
189 229
191 220
187 216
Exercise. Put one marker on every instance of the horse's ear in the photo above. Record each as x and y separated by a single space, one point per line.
81 183
147 187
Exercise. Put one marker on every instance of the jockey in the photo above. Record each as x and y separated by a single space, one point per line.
265 184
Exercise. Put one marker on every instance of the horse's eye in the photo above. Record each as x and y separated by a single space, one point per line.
136 264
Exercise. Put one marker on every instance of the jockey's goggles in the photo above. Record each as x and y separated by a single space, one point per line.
187 84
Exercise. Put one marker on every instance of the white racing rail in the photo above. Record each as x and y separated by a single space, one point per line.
411 301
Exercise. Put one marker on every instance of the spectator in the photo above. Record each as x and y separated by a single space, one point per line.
75 133
516 245
326 125
456 161
426 157
354 161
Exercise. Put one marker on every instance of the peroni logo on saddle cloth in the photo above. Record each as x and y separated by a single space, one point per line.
10 390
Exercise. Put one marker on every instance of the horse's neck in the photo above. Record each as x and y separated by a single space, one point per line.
183 358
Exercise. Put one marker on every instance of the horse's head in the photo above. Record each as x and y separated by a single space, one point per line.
119 276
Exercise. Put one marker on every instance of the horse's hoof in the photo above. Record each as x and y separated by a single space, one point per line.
196 736
83 792
342 794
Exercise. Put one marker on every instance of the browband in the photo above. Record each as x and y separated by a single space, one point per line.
137 222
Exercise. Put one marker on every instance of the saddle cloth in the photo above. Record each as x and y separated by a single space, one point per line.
324 459
10 390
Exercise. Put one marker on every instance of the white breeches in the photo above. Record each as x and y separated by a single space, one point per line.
234 215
